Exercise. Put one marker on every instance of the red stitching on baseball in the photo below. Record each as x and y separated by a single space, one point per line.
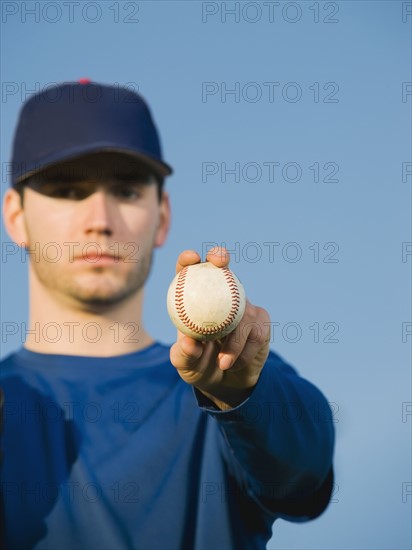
183 315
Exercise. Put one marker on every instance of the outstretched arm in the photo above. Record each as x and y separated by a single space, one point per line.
278 427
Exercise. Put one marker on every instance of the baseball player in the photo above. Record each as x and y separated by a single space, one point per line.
112 440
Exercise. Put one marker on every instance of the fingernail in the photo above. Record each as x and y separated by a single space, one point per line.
225 362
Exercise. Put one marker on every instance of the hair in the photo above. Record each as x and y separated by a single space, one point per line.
160 185
19 187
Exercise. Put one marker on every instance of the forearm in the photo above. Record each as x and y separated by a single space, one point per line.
282 435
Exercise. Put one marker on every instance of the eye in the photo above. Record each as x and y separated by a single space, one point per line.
127 192
67 191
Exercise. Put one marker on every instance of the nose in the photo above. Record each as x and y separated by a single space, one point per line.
98 213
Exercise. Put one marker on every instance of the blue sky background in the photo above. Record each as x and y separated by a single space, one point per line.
337 272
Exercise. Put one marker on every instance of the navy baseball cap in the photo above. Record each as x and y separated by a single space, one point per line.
74 119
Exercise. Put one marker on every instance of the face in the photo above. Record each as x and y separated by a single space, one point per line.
91 226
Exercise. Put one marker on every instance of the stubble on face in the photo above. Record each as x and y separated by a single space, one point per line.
85 284
91 287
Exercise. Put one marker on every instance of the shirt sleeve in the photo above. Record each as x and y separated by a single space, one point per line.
279 442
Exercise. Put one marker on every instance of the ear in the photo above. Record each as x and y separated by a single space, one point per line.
164 220
13 216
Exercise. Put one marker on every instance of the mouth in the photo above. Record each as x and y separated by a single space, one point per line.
98 258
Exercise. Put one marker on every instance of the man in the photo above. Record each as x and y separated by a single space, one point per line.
108 442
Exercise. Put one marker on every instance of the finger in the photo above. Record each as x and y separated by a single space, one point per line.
197 371
234 342
242 346
254 347
219 256
187 257
186 352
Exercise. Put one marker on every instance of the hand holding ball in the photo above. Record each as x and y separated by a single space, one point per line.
206 302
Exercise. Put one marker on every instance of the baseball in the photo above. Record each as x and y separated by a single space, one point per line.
206 302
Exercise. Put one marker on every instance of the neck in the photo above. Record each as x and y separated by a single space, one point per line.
63 327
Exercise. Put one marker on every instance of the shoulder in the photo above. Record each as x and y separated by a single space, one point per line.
8 366
12 378
276 361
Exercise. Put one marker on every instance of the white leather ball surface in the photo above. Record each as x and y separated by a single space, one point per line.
206 302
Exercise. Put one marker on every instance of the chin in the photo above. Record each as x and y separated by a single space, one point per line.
98 304
98 299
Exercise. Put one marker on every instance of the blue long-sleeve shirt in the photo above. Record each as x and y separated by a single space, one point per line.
119 452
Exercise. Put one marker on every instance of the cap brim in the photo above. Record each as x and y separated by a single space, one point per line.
159 168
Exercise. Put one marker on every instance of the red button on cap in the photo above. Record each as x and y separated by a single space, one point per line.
84 80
